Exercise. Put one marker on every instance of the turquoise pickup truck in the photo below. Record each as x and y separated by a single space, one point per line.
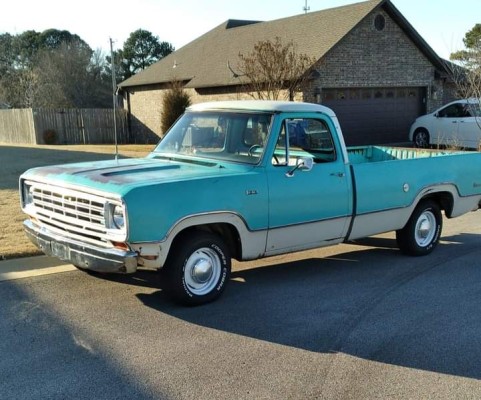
242 180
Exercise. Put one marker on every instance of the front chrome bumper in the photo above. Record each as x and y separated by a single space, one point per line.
82 255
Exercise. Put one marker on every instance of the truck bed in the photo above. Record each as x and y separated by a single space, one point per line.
371 154
382 183
393 178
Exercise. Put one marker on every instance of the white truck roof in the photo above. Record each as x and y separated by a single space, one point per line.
262 105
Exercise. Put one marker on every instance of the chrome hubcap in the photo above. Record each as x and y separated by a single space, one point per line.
425 229
202 271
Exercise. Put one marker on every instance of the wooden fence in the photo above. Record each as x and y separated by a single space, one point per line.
62 126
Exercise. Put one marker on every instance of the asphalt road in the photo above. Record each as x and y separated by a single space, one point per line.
355 321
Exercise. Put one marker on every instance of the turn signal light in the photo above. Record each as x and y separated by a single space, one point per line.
122 246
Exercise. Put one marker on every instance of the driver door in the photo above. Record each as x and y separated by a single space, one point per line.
307 208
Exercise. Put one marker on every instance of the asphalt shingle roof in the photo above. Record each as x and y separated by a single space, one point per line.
203 62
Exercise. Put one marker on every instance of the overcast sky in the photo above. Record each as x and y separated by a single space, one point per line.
442 23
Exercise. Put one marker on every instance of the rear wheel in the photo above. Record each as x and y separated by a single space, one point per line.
198 268
422 232
421 138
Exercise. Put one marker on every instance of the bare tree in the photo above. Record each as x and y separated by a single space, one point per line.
466 72
273 70
28 87
21 88
52 69
468 82
467 76
67 78
469 86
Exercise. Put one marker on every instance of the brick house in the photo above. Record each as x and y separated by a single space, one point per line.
374 70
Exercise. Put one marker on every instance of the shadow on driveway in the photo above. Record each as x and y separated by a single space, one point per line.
377 304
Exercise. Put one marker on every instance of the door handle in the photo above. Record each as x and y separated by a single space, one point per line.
338 174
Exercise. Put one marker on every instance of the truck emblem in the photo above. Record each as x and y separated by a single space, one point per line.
251 192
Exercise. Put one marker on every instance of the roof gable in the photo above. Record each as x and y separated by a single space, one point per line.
204 61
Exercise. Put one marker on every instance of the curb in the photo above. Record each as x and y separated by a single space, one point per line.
18 268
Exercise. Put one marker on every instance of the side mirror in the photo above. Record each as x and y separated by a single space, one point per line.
303 164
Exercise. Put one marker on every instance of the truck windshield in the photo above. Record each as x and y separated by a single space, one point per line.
219 135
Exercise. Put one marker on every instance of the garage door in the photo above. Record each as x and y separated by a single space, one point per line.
375 115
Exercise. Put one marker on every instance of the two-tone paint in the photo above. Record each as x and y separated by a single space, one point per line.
260 209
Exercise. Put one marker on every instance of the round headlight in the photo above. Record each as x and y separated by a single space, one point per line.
118 217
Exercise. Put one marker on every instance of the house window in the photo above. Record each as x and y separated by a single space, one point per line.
354 94
379 22
366 93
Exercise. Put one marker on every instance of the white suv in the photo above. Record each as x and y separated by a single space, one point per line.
457 124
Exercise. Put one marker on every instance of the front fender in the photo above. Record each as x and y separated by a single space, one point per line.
253 243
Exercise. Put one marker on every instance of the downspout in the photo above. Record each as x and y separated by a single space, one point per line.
129 118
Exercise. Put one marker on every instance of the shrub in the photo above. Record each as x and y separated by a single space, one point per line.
50 136
174 103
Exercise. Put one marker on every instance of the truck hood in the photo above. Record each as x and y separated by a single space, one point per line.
120 176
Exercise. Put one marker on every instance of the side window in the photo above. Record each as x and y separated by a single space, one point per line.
468 111
445 112
460 111
304 137
475 109
256 131
453 111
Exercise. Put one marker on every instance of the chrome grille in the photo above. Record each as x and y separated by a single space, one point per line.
73 214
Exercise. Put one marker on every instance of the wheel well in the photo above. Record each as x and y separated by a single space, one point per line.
227 232
445 201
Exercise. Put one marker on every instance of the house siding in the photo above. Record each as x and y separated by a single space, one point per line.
367 57
146 107
145 111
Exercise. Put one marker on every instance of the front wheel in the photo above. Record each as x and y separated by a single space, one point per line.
422 232
198 268
421 139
